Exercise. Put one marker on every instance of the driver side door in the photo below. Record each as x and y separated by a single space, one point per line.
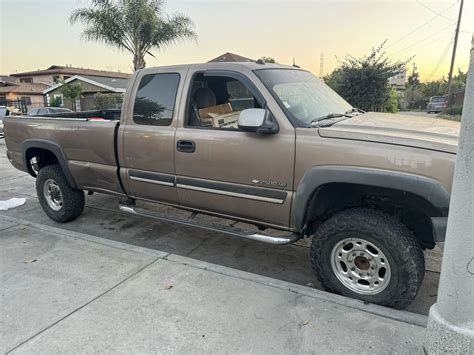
230 172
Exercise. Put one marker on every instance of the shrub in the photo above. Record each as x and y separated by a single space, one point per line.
392 102
454 110
108 101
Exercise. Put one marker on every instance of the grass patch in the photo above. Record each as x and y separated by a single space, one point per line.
456 118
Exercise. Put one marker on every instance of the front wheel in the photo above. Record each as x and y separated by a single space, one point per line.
368 255
58 199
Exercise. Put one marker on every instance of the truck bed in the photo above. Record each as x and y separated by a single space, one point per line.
109 115
86 140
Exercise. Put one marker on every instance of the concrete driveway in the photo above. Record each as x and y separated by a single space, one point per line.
101 218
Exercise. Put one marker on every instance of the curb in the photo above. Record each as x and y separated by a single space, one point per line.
385 312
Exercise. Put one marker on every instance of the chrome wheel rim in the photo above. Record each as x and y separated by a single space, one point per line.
53 195
360 266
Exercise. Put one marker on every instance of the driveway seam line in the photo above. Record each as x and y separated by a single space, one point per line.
83 306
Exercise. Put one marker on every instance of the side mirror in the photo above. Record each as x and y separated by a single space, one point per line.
257 120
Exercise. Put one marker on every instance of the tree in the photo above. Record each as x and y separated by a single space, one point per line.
72 92
392 102
363 82
108 101
268 59
136 26
413 79
55 101
434 88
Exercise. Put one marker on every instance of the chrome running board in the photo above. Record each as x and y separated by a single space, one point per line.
222 229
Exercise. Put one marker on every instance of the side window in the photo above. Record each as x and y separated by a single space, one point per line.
26 100
216 102
156 95
239 96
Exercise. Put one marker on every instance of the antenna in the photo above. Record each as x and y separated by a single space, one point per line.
321 65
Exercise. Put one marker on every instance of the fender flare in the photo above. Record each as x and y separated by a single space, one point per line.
53 148
426 188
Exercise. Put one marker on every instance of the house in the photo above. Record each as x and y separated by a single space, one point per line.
230 57
398 81
57 73
91 85
21 95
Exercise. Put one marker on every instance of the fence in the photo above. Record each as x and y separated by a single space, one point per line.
19 104
457 98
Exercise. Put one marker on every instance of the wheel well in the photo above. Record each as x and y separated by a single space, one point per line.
36 158
411 209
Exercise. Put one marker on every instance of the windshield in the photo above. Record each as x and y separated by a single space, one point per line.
302 95
438 99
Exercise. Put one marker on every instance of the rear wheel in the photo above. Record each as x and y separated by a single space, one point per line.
369 255
58 199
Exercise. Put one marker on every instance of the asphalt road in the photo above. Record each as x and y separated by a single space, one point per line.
101 218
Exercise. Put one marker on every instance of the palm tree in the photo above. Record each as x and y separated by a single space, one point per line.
137 26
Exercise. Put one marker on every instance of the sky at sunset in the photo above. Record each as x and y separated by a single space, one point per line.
36 33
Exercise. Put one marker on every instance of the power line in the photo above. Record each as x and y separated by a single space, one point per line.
422 25
441 59
424 39
434 11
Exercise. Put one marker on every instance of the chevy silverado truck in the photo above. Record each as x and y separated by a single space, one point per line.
265 144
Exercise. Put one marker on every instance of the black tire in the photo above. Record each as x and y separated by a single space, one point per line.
72 200
396 242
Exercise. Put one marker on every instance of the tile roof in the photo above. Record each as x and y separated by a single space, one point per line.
58 69
117 83
230 57
111 84
21 88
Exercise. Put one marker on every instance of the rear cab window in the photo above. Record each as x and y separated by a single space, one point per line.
155 99
437 99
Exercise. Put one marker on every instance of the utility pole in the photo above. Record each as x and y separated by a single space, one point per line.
451 320
321 65
456 35
414 83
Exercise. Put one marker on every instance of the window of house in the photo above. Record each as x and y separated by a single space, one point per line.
216 102
155 99
26 80
26 100
59 99
56 79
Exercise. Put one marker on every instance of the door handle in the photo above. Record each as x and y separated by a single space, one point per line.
186 146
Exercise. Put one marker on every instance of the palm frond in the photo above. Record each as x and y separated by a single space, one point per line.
171 30
137 26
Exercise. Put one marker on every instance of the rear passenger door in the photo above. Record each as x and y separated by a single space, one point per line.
148 135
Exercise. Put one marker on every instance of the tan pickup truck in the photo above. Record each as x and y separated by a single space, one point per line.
266 144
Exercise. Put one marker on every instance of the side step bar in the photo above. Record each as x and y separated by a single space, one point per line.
222 229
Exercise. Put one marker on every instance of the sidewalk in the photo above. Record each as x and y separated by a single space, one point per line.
68 292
